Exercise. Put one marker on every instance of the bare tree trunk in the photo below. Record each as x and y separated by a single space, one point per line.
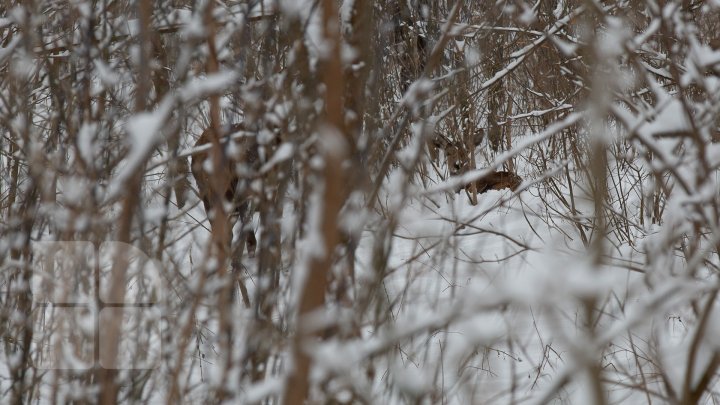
312 295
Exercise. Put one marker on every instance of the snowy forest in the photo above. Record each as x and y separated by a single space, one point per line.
360 202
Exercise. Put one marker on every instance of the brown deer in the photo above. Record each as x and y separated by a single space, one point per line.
458 162
238 156
498 181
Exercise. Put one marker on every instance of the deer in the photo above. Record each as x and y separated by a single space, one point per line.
238 155
458 162
497 181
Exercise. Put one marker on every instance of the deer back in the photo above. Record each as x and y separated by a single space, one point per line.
498 181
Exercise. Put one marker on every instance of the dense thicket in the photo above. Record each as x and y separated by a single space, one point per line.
357 141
